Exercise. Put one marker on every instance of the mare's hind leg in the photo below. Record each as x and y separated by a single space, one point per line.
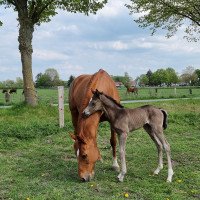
159 134
159 148
113 143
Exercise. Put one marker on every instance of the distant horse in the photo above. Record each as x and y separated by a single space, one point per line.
132 90
4 90
124 120
13 90
85 136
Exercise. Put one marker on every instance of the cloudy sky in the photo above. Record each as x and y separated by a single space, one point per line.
75 44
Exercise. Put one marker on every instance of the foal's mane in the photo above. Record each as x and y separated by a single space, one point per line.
113 100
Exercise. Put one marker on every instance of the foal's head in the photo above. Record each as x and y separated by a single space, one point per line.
95 104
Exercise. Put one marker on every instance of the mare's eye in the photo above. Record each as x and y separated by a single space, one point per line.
84 156
92 104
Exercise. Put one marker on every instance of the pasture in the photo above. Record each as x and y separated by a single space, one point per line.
37 160
49 96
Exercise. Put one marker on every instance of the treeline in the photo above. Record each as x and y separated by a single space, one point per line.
18 83
49 79
169 77
161 77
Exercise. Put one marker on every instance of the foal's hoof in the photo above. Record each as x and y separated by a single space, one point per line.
120 178
116 168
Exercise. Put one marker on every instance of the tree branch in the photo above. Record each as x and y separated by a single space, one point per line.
37 12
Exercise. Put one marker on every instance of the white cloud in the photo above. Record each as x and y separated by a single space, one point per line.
112 9
119 45
70 28
49 55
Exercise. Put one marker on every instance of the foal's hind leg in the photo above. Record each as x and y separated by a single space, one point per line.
161 137
159 148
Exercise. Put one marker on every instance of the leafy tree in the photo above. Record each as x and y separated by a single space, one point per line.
189 76
9 83
159 77
19 82
149 76
197 72
52 73
143 80
168 15
71 78
35 12
43 80
172 77
127 80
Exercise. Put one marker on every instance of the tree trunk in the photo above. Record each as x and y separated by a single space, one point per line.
26 29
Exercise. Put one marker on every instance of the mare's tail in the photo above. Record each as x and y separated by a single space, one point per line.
165 119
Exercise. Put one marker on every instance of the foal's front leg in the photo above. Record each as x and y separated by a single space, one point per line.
122 143
113 143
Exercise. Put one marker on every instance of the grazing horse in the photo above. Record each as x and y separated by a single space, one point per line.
131 90
4 90
85 137
13 90
124 120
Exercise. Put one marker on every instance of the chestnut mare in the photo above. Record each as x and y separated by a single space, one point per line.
85 136
131 89
124 120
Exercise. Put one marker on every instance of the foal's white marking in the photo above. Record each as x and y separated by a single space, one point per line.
170 174
115 164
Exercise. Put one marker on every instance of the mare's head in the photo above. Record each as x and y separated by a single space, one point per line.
95 104
87 154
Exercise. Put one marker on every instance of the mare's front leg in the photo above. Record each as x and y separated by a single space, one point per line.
113 143
122 143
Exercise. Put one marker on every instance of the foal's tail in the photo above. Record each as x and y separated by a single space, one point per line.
165 118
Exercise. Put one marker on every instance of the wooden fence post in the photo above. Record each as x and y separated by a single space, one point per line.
61 105
175 91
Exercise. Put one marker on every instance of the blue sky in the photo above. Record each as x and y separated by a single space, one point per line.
75 44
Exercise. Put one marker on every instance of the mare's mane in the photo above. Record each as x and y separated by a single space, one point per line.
91 85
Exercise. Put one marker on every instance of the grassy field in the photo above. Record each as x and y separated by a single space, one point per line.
37 161
51 95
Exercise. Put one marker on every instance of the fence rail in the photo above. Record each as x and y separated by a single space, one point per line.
50 96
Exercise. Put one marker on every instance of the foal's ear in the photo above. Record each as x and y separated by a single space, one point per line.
93 91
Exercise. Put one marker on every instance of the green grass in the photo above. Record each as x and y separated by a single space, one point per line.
49 96
37 160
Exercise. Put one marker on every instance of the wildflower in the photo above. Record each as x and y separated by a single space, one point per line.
179 181
91 185
126 195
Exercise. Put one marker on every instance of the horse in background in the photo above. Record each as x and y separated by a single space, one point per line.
124 120
131 90
85 137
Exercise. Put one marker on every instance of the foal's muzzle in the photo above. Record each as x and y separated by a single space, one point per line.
85 113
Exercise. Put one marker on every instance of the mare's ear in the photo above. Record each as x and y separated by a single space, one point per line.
73 136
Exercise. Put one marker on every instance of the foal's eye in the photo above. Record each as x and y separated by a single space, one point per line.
92 104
